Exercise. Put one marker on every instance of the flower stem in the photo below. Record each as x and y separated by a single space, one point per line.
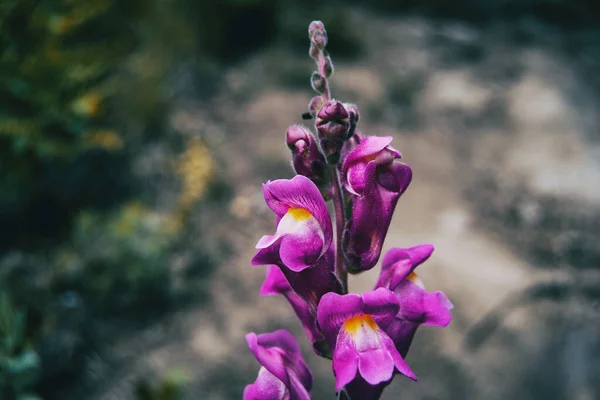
338 204
321 67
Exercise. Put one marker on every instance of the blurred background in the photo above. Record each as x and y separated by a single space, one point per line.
134 136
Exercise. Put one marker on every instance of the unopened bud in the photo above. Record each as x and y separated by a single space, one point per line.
353 113
317 82
314 27
328 67
353 117
317 34
332 126
307 160
315 105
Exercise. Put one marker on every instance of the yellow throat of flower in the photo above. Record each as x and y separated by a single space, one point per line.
353 325
299 214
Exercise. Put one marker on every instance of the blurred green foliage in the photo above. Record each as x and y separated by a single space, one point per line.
119 262
19 364
168 388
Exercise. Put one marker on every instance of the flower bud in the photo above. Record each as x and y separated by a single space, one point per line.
307 160
317 82
332 126
315 105
328 67
314 27
353 116
317 34
352 111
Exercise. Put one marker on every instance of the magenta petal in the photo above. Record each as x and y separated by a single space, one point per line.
279 353
398 263
300 251
382 305
266 256
370 149
298 389
269 358
377 365
275 282
312 283
266 387
395 177
418 305
399 362
299 192
402 333
368 146
365 232
345 360
334 310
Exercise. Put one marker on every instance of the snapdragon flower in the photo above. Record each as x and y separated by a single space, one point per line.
417 305
366 336
354 327
304 231
375 180
284 374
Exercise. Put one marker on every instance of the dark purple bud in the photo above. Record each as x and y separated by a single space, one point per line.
332 126
353 116
315 105
328 67
317 82
352 111
307 160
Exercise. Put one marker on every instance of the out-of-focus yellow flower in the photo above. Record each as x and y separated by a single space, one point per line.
106 139
89 105
195 168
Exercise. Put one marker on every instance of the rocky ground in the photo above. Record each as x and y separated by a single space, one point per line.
500 126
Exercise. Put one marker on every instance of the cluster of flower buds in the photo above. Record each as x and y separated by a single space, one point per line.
366 336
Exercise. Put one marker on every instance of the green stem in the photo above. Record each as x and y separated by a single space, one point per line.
338 204
321 67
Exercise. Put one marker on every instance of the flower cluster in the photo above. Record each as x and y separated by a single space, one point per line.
366 336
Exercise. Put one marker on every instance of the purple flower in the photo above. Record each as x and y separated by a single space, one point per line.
332 129
284 375
417 306
276 283
304 231
310 283
376 181
354 327
307 160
